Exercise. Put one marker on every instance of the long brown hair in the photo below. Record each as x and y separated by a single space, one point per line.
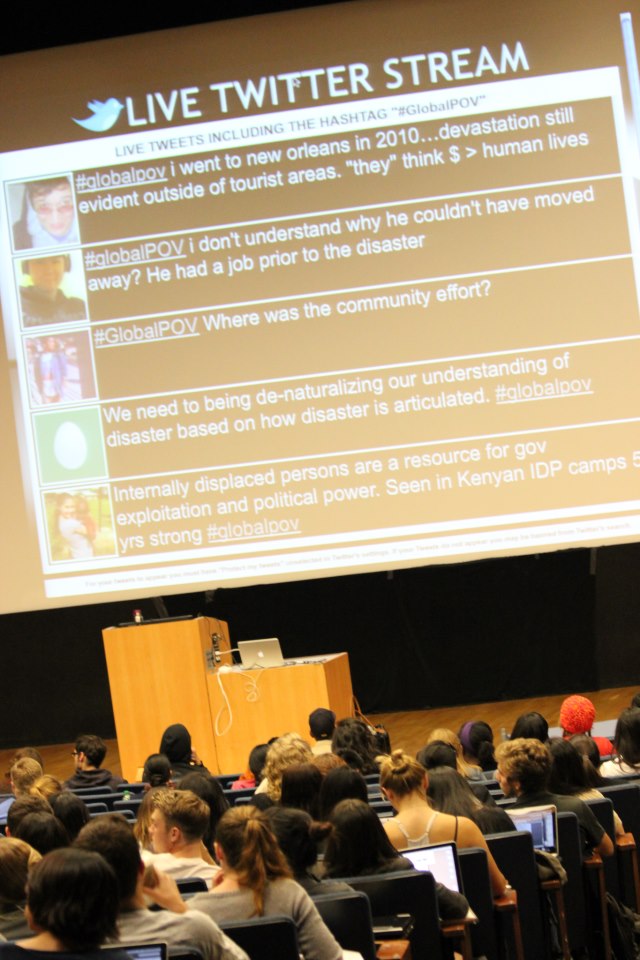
251 850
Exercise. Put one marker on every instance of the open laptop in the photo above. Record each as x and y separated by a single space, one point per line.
440 859
260 653
540 822
140 951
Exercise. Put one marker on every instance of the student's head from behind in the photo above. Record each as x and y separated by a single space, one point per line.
301 784
176 743
46 786
577 715
72 894
401 775
353 737
21 808
30 752
178 818
208 789
587 747
297 835
245 843
328 761
476 738
523 766
341 783
357 843
450 793
257 759
157 770
284 751
52 203
444 735
23 774
43 831
72 812
112 837
142 826
531 726
90 750
16 859
322 723
437 754
568 774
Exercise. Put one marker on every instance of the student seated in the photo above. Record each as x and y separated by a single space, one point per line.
88 753
524 768
112 838
179 821
72 906
16 859
257 883
404 782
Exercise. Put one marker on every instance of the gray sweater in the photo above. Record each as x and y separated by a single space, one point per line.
282 898
178 929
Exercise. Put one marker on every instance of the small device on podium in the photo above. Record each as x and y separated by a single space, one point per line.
260 653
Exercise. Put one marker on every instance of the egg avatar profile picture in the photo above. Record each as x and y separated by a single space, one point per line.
69 445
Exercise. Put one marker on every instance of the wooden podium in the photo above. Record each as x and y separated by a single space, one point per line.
251 706
168 672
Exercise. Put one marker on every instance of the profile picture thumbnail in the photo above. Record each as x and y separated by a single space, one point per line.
51 289
59 368
47 213
79 524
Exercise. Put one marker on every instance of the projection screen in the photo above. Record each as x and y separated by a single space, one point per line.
342 289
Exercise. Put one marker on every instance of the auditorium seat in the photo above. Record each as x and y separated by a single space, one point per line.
513 853
348 916
265 938
406 891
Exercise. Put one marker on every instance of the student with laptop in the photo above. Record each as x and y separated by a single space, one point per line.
404 782
524 767
358 846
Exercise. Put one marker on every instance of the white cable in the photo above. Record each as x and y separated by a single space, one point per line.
251 687
252 692
226 705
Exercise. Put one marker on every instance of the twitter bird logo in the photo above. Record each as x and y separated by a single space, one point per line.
104 115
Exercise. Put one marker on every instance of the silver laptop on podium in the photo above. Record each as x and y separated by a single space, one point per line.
260 653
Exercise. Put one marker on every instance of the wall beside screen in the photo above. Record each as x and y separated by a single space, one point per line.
351 288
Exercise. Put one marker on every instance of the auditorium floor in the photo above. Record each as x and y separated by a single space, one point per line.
408 729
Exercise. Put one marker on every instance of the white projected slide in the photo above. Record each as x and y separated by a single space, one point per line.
344 289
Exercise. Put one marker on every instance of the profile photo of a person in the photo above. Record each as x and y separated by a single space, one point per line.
59 368
74 529
48 214
50 370
41 299
79 524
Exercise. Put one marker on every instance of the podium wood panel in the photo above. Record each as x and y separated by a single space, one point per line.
265 703
158 676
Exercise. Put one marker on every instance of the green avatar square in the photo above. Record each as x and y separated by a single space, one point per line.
70 445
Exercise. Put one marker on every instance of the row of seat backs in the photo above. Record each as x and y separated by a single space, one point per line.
349 917
513 853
